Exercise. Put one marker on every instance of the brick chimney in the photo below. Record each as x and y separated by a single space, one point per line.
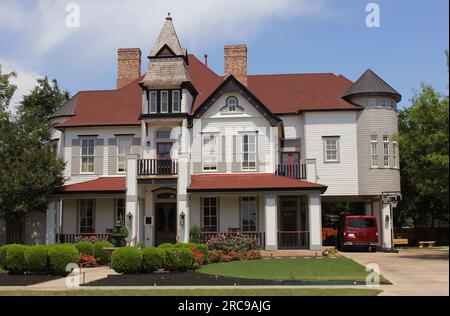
236 62
129 66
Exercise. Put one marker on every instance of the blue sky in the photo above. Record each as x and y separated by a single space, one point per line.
283 36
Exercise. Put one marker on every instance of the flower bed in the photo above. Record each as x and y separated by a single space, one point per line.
225 248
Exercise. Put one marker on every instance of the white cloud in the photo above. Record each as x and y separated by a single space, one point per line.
108 24
25 81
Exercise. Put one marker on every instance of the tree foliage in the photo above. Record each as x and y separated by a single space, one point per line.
29 170
7 89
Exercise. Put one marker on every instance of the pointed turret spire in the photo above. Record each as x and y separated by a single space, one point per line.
371 83
168 36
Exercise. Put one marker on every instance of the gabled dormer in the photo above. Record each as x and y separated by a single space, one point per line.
167 88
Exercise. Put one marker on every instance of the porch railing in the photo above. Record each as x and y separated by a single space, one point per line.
157 167
259 236
72 237
293 240
292 171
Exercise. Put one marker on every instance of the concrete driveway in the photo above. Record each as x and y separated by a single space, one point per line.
414 272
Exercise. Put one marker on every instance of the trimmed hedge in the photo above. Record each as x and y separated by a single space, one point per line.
153 259
15 259
36 259
126 260
85 247
59 256
200 247
102 256
3 250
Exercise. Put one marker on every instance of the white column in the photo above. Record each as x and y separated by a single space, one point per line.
132 196
386 224
50 230
311 172
270 208
315 221
183 213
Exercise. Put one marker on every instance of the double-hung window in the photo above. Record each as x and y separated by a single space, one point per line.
164 101
248 152
87 155
374 151
395 154
249 214
123 149
210 218
372 103
176 101
120 211
386 151
331 149
153 102
209 152
86 216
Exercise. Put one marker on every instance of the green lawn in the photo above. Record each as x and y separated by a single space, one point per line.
302 269
208 292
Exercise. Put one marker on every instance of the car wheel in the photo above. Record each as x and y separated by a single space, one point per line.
373 249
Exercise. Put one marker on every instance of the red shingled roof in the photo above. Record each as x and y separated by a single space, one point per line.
106 184
248 182
281 94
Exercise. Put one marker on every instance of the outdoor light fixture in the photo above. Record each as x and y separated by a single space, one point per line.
182 217
386 219
130 217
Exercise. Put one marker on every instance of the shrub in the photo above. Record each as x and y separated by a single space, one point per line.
126 260
15 259
36 259
85 247
194 234
102 256
166 246
153 259
59 256
216 256
234 247
3 250
186 259
173 259
200 247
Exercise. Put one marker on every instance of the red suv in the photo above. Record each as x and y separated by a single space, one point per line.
358 232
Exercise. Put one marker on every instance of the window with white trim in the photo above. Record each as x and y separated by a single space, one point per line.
86 216
386 151
248 151
176 101
209 152
123 149
384 103
395 154
249 210
374 150
120 211
153 101
331 149
372 103
232 104
87 155
210 214
164 101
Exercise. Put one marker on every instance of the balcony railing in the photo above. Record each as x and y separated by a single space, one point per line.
72 237
157 167
259 236
292 171
293 239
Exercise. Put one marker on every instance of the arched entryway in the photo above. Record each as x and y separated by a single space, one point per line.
165 216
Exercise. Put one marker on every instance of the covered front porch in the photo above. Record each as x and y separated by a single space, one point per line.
279 212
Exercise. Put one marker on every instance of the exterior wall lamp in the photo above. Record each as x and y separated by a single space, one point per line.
182 218
130 218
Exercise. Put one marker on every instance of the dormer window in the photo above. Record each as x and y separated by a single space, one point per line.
232 104
164 101
175 101
153 101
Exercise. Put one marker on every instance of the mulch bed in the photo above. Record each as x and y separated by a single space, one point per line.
192 278
24 280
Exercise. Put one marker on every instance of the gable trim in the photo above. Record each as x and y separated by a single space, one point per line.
245 92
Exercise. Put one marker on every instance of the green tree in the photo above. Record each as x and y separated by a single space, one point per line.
7 89
29 170
424 140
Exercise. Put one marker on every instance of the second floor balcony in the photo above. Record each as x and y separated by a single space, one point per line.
157 167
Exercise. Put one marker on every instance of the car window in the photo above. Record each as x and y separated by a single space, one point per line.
360 223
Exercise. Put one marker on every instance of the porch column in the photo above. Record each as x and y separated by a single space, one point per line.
311 172
386 224
315 221
270 208
132 197
50 230
183 212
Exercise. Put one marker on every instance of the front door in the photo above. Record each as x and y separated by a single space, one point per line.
164 159
166 223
